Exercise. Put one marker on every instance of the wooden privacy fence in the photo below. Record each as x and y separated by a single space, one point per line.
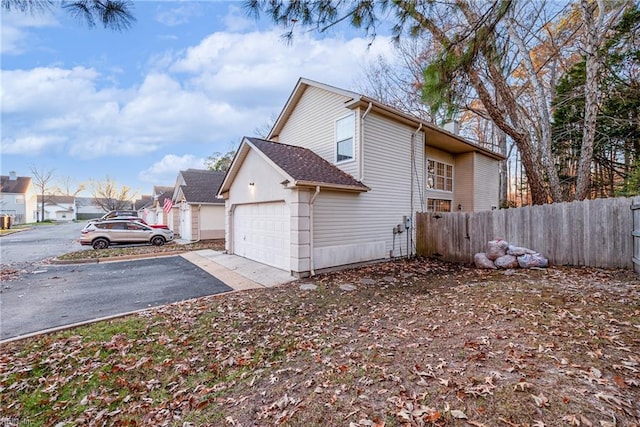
635 208
595 233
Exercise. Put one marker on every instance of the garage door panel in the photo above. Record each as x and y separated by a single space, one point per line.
262 232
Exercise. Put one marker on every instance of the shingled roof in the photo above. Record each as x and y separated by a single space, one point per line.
305 166
19 185
201 186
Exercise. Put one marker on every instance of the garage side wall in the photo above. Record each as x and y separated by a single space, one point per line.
211 222
267 189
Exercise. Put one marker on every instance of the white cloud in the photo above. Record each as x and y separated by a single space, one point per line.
210 95
259 64
236 20
31 145
166 170
178 15
14 40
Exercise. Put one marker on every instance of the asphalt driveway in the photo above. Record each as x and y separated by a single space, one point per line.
59 295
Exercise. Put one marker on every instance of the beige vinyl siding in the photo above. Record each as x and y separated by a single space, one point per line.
463 171
312 125
211 221
343 218
487 178
443 157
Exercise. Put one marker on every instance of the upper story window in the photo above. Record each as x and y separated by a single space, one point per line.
20 199
345 131
439 176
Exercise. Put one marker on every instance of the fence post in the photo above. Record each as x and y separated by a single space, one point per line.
635 232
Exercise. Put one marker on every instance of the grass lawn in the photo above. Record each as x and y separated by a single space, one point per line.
405 343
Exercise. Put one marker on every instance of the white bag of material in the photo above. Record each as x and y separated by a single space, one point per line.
481 261
496 249
533 260
506 261
518 250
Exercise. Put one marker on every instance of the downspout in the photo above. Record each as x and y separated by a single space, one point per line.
361 150
411 172
313 199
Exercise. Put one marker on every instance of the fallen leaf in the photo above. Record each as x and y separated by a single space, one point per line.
456 413
541 400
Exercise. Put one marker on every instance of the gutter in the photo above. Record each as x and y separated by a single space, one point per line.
313 199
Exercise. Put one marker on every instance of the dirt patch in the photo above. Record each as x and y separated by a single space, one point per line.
399 343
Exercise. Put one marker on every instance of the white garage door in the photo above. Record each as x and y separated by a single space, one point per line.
262 232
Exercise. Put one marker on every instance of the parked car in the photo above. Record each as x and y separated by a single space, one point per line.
165 226
102 234
116 214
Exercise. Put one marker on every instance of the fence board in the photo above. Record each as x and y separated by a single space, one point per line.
597 233
635 209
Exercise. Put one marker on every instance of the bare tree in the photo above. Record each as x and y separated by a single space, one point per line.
41 180
65 186
110 196
499 52
597 21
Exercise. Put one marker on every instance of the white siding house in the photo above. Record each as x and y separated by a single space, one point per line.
198 214
18 198
340 179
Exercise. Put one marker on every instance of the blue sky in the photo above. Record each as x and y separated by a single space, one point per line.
188 80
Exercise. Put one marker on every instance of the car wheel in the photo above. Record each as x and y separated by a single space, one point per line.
100 244
157 241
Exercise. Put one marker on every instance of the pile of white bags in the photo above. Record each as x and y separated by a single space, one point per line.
500 254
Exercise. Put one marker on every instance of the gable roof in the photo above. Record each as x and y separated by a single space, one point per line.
201 186
19 185
144 201
434 136
301 166
52 199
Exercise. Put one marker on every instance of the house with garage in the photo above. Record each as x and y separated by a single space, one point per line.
57 208
195 211
18 198
340 177
152 211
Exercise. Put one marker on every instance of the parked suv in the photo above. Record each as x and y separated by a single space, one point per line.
105 233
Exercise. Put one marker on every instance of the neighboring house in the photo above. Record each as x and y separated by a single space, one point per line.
144 207
18 198
57 208
200 213
157 215
87 208
340 178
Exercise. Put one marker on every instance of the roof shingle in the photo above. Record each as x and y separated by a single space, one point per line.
201 186
304 165
20 185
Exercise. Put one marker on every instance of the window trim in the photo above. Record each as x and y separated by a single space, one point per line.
336 141
436 162
436 200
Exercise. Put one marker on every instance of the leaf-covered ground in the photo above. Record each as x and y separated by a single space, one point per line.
129 250
401 343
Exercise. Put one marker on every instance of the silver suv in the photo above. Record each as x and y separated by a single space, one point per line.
102 234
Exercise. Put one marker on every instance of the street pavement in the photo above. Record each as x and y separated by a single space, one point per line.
45 296
56 296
